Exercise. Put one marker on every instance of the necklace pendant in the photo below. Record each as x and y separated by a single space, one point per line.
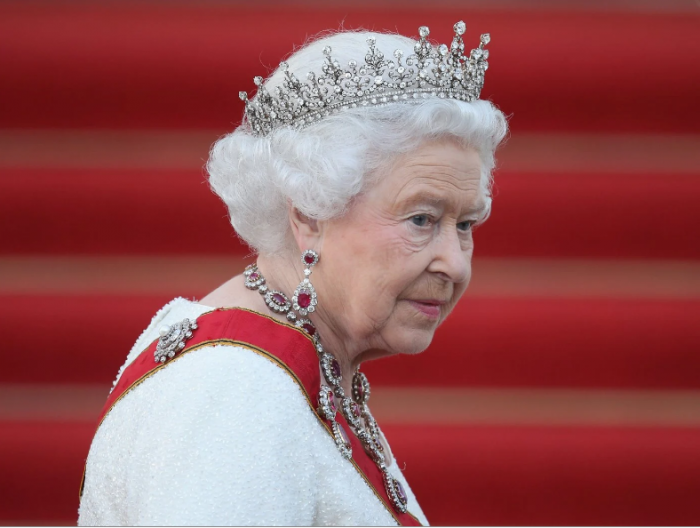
253 278
352 412
277 301
372 447
326 403
360 388
396 493
304 299
342 440
331 369
307 326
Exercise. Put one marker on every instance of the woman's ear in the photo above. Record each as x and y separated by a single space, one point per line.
306 231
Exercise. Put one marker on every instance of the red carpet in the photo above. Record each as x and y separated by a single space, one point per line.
552 475
485 342
534 215
136 65
139 67
463 475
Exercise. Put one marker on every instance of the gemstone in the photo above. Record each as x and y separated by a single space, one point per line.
277 297
309 258
360 389
355 410
345 436
460 27
310 329
335 368
331 401
254 276
485 38
304 299
423 31
400 492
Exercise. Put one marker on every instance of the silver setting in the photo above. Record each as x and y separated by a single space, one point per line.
172 339
341 441
431 71
305 287
360 388
253 278
327 361
372 427
346 407
326 404
300 324
392 487
311 254
274 304
372 447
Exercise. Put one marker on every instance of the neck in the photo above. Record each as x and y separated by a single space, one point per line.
285 274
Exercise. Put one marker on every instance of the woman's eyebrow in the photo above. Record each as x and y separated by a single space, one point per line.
428 198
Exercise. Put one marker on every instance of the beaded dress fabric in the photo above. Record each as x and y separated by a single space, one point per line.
221 437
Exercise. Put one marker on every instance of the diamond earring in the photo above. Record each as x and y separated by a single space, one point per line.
304 298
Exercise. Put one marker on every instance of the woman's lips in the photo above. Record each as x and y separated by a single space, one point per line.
430 308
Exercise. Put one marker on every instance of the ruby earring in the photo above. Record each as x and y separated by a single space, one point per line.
304 298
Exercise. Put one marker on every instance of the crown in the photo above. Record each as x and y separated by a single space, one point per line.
431 71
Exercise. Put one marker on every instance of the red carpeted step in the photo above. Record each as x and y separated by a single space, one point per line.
157 65
593 476
486 342
146 211
112 211
41 464
500 475
562 343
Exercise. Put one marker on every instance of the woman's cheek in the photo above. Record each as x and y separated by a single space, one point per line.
413 239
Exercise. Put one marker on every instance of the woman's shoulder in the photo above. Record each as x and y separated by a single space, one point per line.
218 366
175 310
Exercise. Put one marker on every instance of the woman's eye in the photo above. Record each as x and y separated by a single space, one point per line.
465 226
420 220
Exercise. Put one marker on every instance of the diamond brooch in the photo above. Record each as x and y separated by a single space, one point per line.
172 339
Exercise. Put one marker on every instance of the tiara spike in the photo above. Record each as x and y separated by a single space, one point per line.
431 71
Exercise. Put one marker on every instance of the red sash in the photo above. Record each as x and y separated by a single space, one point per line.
261 334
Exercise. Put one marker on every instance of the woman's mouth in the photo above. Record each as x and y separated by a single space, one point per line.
428 307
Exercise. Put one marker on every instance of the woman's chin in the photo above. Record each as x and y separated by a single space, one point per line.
411 340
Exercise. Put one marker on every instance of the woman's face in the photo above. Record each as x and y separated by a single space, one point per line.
395 265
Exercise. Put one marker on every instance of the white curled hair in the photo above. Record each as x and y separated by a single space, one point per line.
319 169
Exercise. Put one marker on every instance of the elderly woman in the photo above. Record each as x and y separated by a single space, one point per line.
361 168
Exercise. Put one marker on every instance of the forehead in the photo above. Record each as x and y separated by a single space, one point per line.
440 171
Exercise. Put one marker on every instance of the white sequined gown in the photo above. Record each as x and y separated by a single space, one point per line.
221 437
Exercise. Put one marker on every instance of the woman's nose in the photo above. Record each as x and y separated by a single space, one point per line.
451 258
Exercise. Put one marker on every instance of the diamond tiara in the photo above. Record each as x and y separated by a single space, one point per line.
431 71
